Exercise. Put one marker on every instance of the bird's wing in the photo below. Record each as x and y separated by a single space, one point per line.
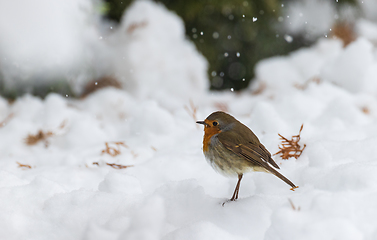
256 153
263 152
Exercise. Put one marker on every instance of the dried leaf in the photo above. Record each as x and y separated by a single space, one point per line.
344 31
365 110
42 135
39 136
103 82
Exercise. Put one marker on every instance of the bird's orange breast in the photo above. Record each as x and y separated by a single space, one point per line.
208 134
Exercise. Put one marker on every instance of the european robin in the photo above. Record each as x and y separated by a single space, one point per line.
233 149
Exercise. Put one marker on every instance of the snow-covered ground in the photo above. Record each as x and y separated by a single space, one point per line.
169 191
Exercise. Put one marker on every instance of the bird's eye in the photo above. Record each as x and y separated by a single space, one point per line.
214 123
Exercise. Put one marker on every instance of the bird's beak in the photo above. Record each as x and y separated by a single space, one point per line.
202 122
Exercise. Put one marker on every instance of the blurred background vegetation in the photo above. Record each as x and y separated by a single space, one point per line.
232 35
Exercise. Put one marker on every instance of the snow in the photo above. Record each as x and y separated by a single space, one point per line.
44 45
169 191
302 17
173 55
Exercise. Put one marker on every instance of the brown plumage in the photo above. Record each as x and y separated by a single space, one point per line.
233 149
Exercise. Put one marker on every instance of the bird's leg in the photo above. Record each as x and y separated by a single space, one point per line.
235 194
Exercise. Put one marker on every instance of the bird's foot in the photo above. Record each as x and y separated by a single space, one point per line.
229 200
293 188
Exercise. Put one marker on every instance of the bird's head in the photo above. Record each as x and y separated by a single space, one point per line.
218 122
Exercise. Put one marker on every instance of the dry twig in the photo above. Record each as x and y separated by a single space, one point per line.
192 110
134 26
293 206
118 166
134 154
63 124
261 87
20 165
303 86
112 151
222 106
6 120
291 148
114 165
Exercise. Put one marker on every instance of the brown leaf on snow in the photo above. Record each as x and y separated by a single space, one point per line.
33 139
41 135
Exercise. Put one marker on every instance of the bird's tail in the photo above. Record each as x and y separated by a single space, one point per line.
286 180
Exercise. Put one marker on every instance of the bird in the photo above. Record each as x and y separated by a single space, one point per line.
232 149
